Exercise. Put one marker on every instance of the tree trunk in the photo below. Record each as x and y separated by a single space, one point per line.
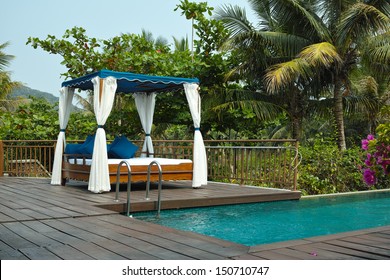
295 112
339 117
296 129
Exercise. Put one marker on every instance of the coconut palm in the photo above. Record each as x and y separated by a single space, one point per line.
5 59
258 48
307 48
181 44
159 42
6 84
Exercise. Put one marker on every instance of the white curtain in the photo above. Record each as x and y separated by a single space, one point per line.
103 100
199 176
64 107
145 106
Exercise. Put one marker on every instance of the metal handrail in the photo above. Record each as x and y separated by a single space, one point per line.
128 185
154 162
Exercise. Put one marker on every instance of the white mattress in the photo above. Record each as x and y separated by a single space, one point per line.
135 161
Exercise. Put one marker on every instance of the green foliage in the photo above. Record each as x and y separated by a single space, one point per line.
383 130
377 162
126 52
325 170
193 10
6 83
80 125
38 120
211 35
5 59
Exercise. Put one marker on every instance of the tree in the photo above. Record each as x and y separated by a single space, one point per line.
5 59
193 11
181 44
307 48
6 84
334 50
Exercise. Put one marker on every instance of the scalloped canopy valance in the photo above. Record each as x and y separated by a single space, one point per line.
128 82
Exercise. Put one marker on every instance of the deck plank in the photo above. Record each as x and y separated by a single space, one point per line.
13 239
39 253
374 251
41 221
351 253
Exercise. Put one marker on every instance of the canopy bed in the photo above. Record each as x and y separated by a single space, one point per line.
100 171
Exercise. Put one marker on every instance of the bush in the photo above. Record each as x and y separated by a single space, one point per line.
376 169
324 169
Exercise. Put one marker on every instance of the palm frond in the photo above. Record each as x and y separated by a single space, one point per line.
7 85
280 132
264 106
85 102
263 13
284 74
11 105
181 44
5 59
287 44
234 19
360 104
377 48
351 104
321 108
306 21
382 5
322 54
361 19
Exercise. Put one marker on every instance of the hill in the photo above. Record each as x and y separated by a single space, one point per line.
26 92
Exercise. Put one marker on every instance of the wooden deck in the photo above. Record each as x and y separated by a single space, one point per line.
40 221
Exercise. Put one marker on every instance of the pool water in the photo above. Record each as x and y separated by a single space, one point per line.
267 222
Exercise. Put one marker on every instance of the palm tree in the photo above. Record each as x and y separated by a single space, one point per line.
5 59
6 84
181 45
258 49
159 42
307 48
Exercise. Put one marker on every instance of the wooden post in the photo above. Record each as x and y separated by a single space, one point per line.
101 82
1 158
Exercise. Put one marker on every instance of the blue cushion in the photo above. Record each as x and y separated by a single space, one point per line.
72 149
87 147
121 147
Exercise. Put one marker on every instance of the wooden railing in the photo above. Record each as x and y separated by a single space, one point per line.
32 158
270 163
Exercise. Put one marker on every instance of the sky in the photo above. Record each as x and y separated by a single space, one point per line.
40 70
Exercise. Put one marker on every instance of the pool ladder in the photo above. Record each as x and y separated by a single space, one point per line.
128 185
147 185
159 185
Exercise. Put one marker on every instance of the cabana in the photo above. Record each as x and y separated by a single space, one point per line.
105 84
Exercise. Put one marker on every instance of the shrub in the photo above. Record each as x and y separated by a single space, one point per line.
376 169
324 169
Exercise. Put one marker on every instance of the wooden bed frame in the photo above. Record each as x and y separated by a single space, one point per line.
170 172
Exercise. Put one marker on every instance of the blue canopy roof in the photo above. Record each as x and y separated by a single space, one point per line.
128 82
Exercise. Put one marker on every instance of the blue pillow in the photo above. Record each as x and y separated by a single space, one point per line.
72 149
122 148
87 147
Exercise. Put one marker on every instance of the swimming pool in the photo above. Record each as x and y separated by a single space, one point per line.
267 222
